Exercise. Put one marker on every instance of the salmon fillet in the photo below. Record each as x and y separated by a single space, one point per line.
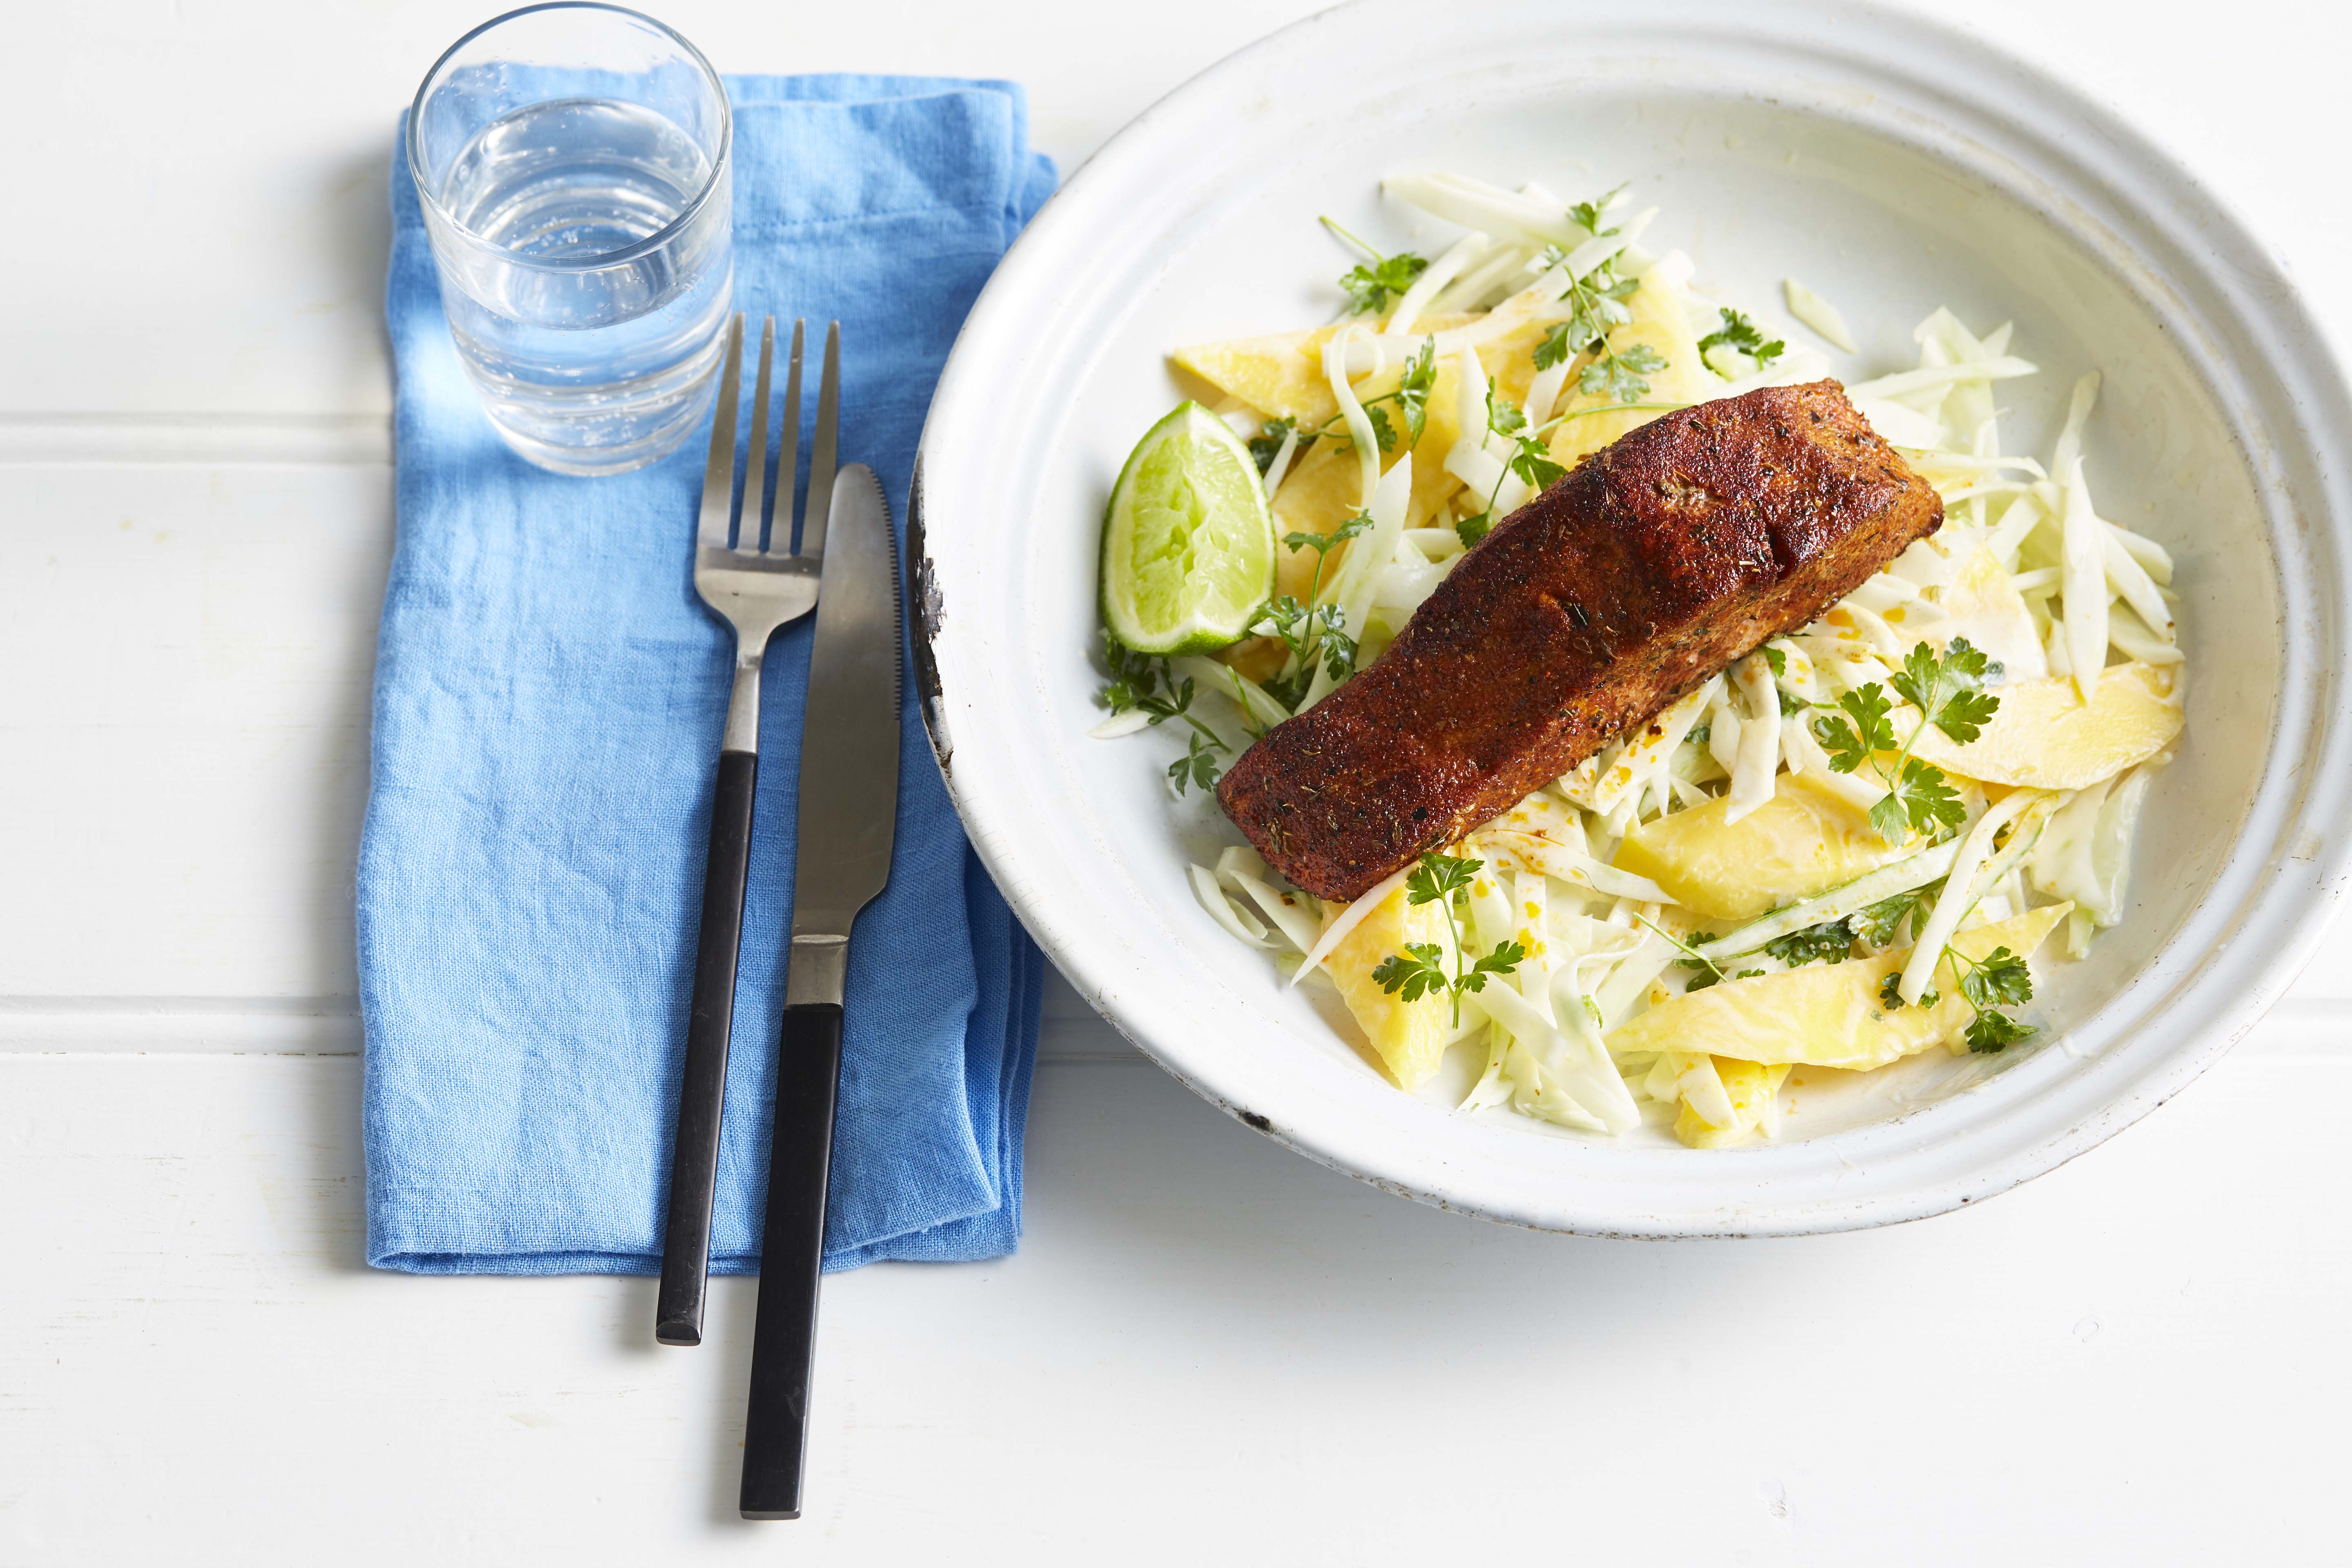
1655 564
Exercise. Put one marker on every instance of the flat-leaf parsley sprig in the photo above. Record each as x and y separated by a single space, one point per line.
1705 970
1312 636
1141 683
1421 969
1998 981
1596 303
1740 336
1372 284
1266 444
1411 395
1530 459
1307 628
1947 688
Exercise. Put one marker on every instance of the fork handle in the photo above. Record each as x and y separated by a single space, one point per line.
694 1160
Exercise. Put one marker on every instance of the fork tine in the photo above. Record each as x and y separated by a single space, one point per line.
718 473
788 456
823 449
755 511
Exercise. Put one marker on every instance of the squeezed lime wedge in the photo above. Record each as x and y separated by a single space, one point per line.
1188 541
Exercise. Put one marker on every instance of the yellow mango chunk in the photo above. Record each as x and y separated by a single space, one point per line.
1281 374
1325 487
1751 1085
2044 737
1659 322
1803 841
1828 1015
1409 1037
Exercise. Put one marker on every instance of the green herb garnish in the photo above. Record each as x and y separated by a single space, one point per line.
1421 970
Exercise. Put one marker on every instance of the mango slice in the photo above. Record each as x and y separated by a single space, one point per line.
2044 737
1828 1015
1803 841
1410 1037
1659 322
1281 374
1751 1085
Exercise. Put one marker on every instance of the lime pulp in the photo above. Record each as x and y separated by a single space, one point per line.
1188 557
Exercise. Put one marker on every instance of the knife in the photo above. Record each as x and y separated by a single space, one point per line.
848 815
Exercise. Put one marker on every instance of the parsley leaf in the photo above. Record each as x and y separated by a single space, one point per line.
1776 659
1324 543
1503 417
1197 766
1948 688
1532 462
1134 677
1502 960
1470 530
1416 972
1267 444
1862 730
1706 971
1624 376
1740 335
1587 215
1141 683
1312 635
1890 993
1830 943
1372 284
1922 797
1990 1032
1382 431
1556 347
1998 980
1878 924
1413 391
1420 970
1439 876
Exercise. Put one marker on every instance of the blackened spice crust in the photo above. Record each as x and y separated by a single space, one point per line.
1653 564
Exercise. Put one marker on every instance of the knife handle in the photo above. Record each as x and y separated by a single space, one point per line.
694 1159
783 1338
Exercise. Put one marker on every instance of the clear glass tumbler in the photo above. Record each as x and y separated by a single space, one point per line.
573 165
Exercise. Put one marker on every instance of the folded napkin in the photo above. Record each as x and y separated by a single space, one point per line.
549 695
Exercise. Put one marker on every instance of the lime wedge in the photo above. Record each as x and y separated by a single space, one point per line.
1188 541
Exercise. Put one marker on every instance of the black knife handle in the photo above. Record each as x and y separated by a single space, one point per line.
694 1159
783 1339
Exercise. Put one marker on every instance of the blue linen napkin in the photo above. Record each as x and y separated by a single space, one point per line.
549 695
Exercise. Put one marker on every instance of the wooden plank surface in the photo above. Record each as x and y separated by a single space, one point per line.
1207 1344
1208 1348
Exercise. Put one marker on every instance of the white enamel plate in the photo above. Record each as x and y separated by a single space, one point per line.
1892 165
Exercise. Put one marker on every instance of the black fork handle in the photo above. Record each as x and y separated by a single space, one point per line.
694 1160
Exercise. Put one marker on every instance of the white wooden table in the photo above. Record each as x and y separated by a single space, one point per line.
1207 1345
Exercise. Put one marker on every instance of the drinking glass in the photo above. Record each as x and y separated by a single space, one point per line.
572 162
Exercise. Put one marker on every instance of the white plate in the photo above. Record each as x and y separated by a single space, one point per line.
1894 166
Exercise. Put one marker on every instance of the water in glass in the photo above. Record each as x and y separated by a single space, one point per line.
591 364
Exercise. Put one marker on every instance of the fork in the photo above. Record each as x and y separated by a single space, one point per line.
756 582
